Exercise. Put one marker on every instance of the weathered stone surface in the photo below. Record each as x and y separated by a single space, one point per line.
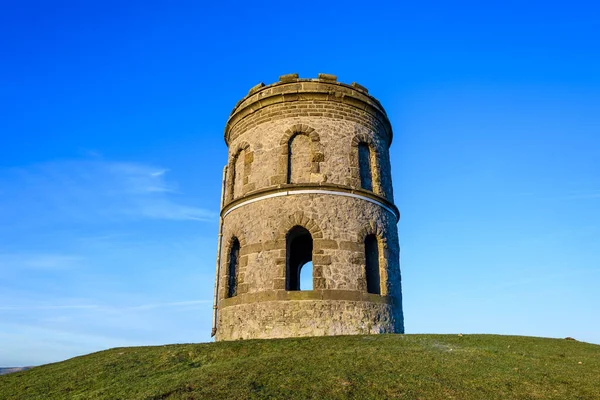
288 78
327 77
256 88
294 162
333 152
294 318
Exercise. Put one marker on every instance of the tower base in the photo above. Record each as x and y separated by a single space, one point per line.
281 314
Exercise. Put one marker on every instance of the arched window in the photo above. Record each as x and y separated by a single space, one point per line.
364 166
299 159
232 268
299 245
372 264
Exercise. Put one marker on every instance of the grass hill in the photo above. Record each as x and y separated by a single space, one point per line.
344 367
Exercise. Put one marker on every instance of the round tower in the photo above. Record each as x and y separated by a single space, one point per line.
308 237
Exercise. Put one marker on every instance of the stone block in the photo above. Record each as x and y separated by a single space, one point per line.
351 246
252 248
322 259
279 284
325 244
255 88
278 180
327 78
360 87
288 78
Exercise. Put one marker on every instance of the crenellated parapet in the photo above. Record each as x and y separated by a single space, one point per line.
324 96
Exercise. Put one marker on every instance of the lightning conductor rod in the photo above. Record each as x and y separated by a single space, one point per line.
219 244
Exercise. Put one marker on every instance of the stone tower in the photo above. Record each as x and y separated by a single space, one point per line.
308 184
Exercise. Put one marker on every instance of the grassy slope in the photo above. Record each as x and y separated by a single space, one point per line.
361 367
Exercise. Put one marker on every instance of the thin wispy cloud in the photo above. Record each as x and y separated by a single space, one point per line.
48 307
584 195
159 173
175 304
104 308
93 190
47 262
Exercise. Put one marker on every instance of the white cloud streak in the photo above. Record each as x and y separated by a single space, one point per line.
141 307
45 262
48 307
175 304
92 190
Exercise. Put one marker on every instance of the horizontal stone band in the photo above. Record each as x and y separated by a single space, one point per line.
299 295
332 191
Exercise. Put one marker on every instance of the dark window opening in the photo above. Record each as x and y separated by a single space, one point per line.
364 166
372 264
232 272
288 178
299 253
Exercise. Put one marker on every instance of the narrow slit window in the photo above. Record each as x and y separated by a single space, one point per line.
232 270
299 256
364 166
372 265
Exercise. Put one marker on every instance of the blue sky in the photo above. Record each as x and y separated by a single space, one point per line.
112 117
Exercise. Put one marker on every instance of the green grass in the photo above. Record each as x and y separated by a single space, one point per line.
344 367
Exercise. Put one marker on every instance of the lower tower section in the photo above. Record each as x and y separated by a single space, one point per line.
352 252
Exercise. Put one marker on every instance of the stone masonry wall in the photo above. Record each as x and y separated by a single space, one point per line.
305 135
334 154
294 318
338 225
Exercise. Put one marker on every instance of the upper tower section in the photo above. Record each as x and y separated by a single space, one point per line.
307 133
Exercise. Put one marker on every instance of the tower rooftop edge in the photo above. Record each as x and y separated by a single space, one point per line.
291 87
